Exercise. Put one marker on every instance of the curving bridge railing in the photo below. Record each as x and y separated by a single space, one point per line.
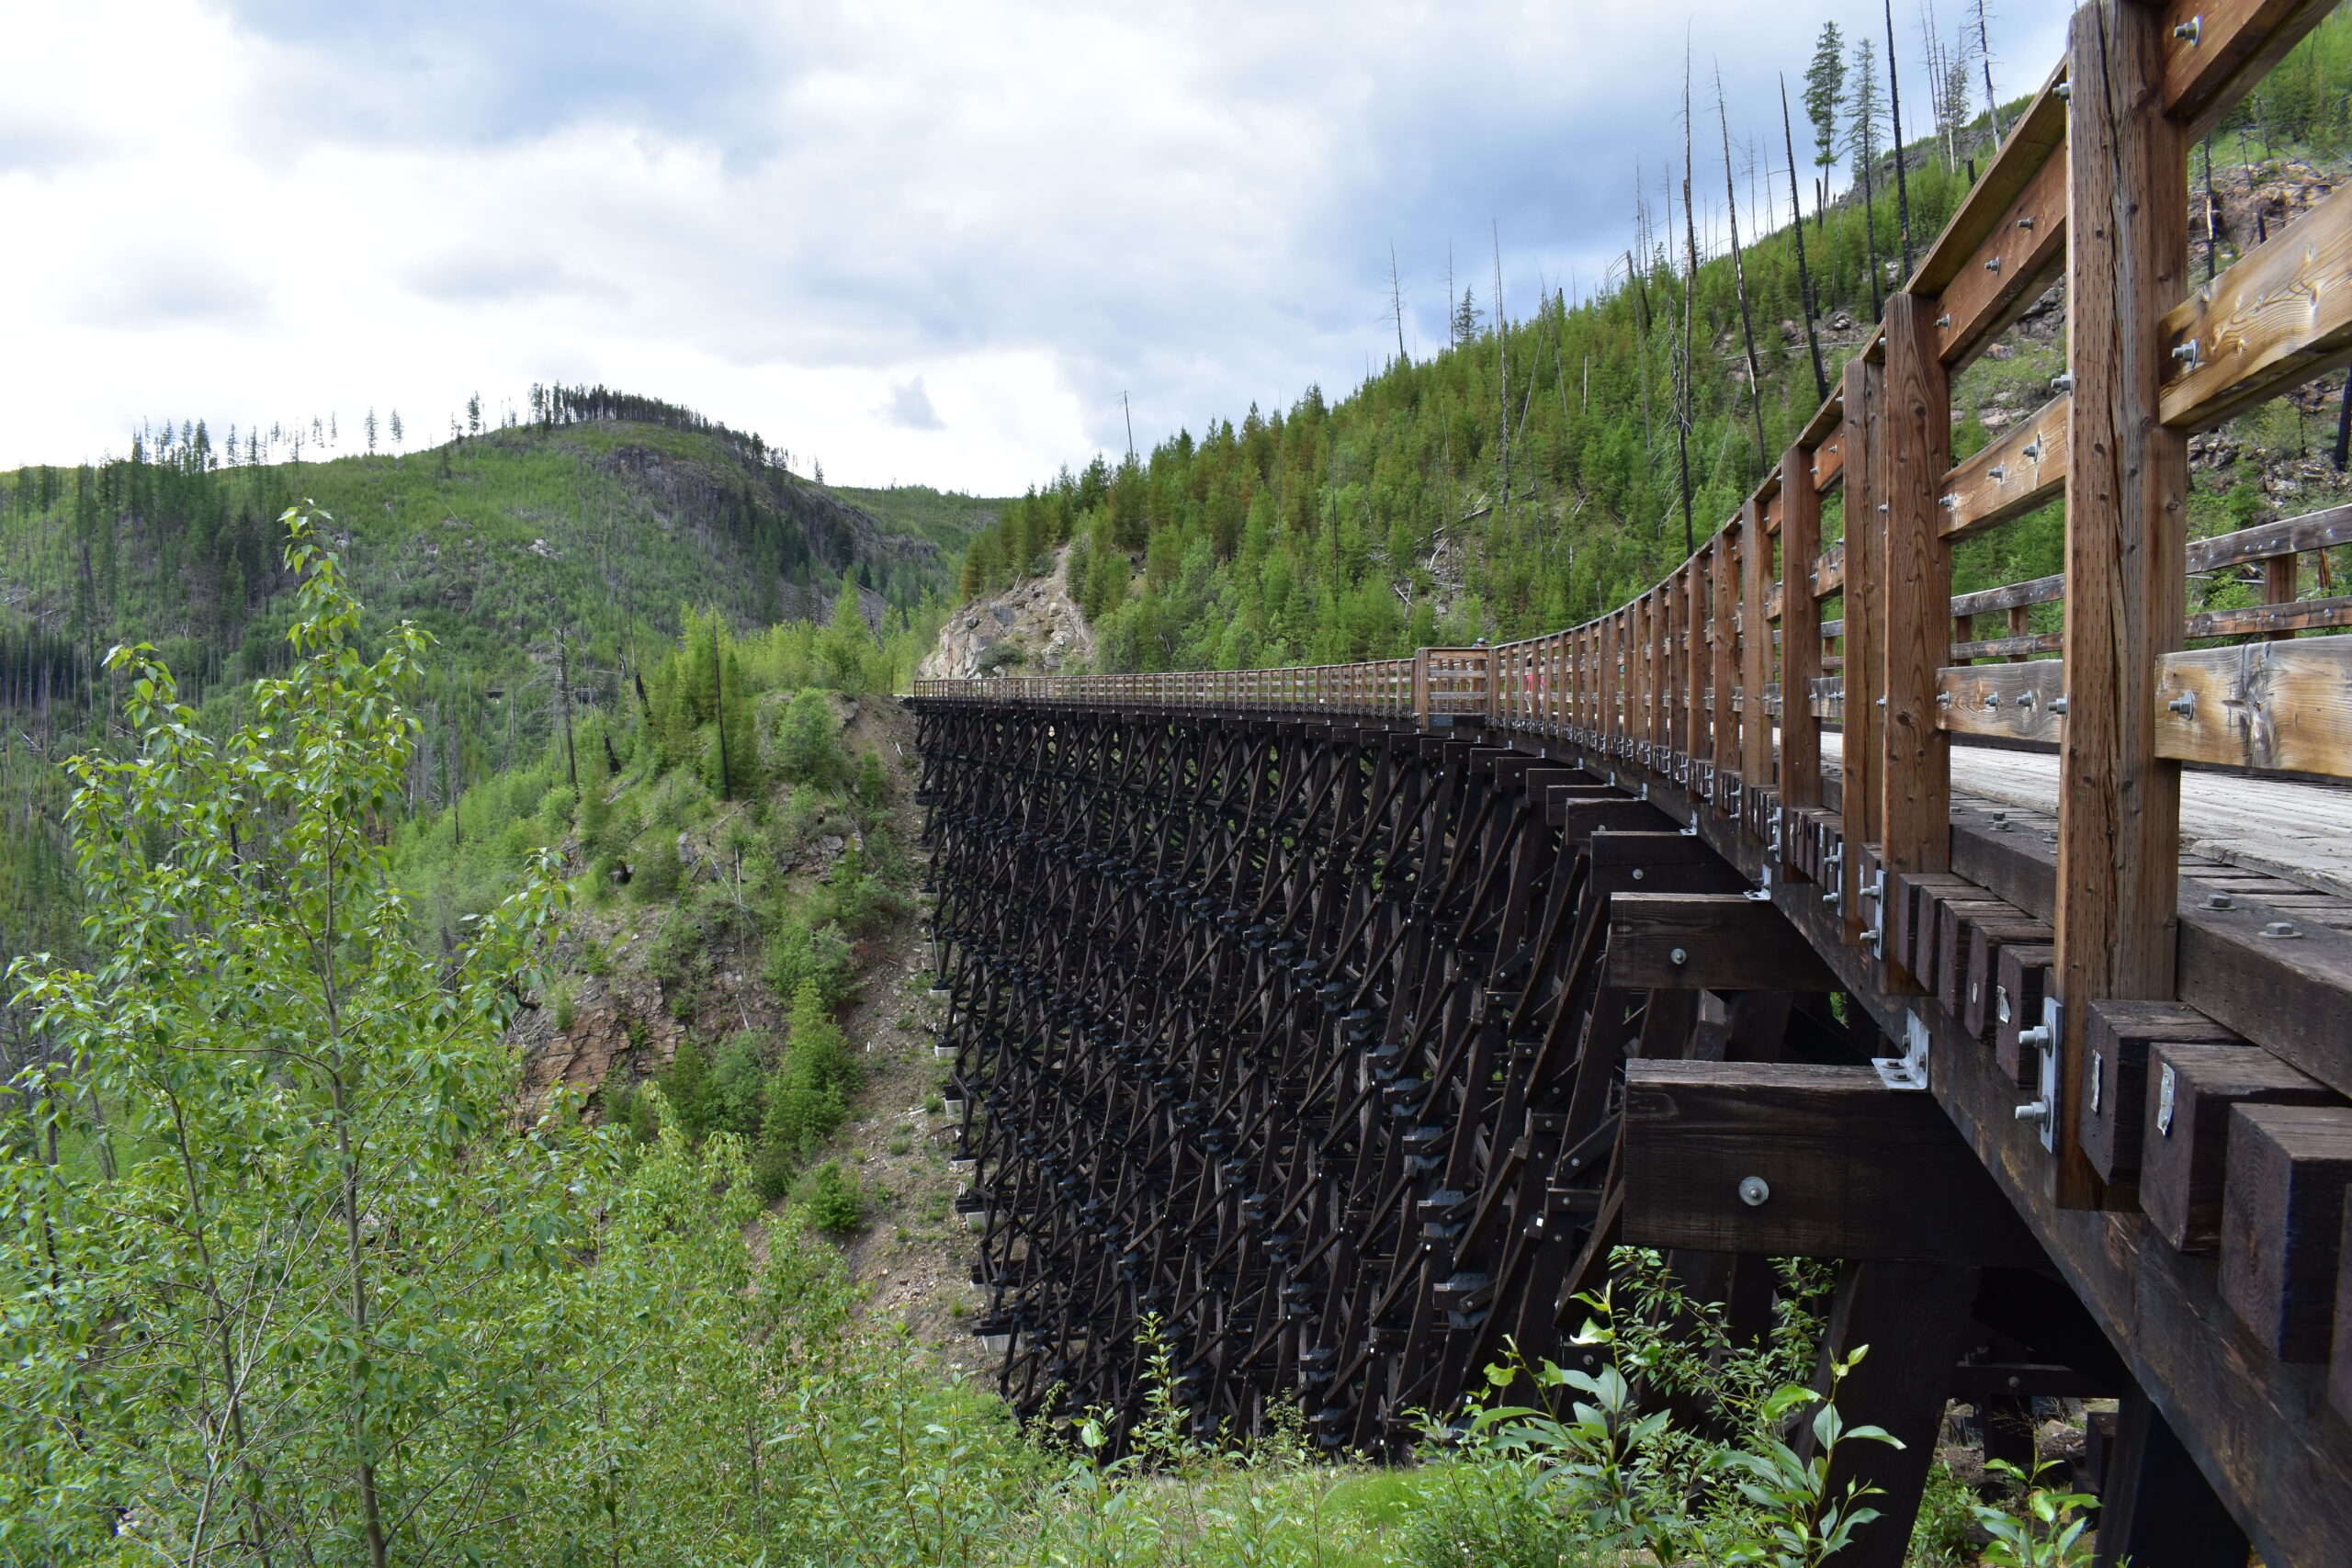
2150 652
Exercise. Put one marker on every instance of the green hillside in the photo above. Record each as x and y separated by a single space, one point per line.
1526 478
568 547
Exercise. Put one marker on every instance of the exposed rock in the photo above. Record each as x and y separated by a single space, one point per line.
1030 629
597 1043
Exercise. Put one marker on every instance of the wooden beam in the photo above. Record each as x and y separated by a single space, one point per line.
1914 1317
1755 651
2115 1112
2289 536
1980 1007
2262 705
2216 52
2012 267
2015 701
2030 146
1851 1168
2023 470
2279 316
2189 1094
1865 545
2155 1505
1913 456
1722 663
1659 863
2010 596
1579 817
1725 942
2126 483
1800 640
2282 1223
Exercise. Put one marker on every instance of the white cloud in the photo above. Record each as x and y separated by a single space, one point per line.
821 221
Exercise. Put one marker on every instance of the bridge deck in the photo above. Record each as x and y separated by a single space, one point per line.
2290 829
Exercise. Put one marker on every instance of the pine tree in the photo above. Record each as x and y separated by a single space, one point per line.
1465 318
370 425
397 434
1863 105
1825 87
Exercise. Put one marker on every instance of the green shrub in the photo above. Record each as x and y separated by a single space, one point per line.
563 1010
688 1087
738 1085
873 783
797 953
834 1203
657 871
807 742
644 1126
556 808
808 1098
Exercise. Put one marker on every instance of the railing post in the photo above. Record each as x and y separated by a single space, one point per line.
2119 806
1421 687
1723 673
1859 714
1692 663
1913 453
1800 632
1755 651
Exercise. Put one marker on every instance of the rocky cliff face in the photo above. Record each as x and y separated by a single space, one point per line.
1030 629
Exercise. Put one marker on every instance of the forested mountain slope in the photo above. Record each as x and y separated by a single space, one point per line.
564 549
1546 467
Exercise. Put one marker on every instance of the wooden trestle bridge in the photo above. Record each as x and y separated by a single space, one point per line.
1346 1017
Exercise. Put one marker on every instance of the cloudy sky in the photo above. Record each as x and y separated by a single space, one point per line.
920 243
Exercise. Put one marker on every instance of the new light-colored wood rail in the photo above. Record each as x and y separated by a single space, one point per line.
1684 693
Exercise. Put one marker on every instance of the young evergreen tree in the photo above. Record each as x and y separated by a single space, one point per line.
1863 107
1825 90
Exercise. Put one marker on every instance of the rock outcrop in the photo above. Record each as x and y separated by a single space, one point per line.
1032 629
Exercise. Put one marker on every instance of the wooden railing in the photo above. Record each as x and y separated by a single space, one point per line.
1685 681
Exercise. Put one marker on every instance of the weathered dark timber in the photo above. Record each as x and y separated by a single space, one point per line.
2282 1223
2188 1096
1725 942
1849 1167
2114 1113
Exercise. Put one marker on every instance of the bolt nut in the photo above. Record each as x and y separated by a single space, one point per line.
2282 929
1754 1190
1677 957
2220 901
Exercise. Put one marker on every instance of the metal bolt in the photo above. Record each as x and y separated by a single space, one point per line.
2058 703
1637 873
2063 383
2026 222
1754 1190
2220 901
2191 31
2032 451
1998 473
2184 705
2034 1111
2065 89
2037 1037
1943 699
1943 320
1993 264
1677 957
2185 352
2282 929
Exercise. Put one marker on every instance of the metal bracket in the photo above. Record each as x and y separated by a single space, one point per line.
1910 1070
2050 1038
1762 892
1876 894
